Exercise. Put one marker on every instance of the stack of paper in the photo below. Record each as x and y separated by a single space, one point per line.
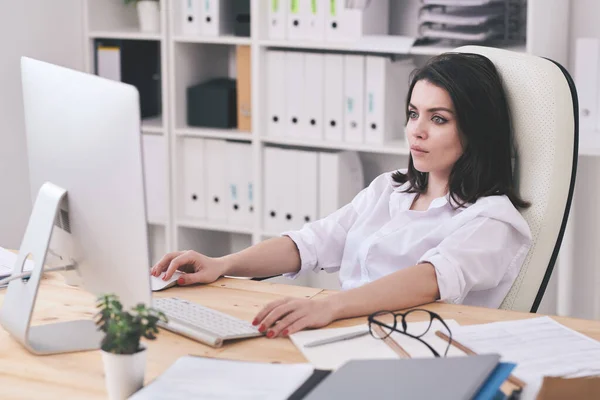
466 21
7 262
540 347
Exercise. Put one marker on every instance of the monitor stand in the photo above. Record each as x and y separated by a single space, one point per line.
19 301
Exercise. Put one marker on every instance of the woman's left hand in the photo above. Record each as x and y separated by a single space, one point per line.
286 316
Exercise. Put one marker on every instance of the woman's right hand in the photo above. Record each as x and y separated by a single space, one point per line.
198 267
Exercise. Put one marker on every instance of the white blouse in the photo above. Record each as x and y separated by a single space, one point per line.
477 251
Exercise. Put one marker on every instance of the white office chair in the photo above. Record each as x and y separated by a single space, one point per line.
544 115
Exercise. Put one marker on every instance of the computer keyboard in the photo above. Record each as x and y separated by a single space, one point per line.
202 323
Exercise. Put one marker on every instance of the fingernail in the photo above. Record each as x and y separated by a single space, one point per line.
285 332
255 322
270 334
261 328
180 281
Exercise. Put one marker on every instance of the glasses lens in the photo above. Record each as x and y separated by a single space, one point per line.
417 323
382 325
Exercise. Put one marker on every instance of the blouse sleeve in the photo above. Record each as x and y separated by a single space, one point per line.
476 257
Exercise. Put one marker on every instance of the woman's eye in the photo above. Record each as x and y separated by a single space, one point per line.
438 120
412 115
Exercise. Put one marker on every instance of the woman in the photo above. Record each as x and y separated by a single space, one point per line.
447 228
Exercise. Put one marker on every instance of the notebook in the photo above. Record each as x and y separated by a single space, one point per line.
425 378
211 378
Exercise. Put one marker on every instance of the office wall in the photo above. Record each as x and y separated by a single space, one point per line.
586 269
48 30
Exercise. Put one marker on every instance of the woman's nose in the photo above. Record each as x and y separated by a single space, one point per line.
417 130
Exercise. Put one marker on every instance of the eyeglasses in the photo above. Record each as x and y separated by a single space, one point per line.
399 324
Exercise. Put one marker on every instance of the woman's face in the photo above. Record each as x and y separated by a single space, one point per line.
432 130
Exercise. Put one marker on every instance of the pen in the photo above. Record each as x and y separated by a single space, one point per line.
337 338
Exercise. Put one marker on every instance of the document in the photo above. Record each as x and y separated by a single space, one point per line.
334 355
540 347
7 262
215 379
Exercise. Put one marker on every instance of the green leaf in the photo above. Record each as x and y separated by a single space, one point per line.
124 329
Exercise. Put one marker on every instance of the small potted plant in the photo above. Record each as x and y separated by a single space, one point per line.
148 14
123 355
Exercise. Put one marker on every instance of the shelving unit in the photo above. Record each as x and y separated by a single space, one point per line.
187 60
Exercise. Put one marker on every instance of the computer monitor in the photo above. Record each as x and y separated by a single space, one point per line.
83 137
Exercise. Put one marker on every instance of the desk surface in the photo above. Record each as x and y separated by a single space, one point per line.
80 375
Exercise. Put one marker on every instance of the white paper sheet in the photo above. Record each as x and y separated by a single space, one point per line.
417 349
539 346
334 355
7 262
209 378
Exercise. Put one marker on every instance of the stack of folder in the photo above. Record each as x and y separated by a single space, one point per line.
455 378
326 20
207 17
467 21
336 97
299 186
302 186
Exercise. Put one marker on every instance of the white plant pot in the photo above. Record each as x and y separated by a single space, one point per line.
149 15
124 373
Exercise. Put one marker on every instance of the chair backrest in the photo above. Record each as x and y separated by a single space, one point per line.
544 117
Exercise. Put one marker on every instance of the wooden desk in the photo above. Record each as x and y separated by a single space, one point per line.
80 375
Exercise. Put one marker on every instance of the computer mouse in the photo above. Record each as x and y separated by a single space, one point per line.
157 282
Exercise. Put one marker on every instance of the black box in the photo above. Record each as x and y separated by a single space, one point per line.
212 104
241 17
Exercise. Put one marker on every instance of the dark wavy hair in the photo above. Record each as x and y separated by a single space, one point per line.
483 120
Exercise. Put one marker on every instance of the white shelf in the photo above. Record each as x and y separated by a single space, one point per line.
156 222
396 147
367 44
212 226
232 40
232 134
129 34
153 125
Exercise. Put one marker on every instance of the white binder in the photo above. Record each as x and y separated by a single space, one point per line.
344 24
334 21
109 62
386 85
307 184
354 94
217 19
278 10
193 178
216 178
239 179
288 189
272 199
191 17
334 97
587 68
155 177
294 93
276 98
297 19
314 70
373 19
341 178
315 17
